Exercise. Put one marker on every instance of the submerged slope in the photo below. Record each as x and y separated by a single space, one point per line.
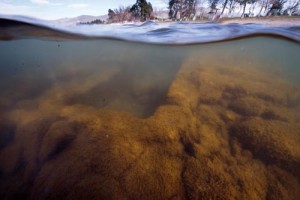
225 131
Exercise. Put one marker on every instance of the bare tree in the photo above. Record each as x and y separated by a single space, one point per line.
292 7
199 8
182 9
262 5
231 6
244 4
276 8
224 6
267 6
123 14
175 9
253 4
119 15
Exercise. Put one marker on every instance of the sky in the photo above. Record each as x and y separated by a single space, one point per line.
55 9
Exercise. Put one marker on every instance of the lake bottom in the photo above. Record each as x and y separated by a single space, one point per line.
105 119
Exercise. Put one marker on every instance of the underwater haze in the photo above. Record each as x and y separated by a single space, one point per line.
150 111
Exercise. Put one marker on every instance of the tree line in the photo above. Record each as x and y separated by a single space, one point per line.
197 9
140 11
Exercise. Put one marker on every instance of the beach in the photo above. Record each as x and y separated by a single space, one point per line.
270 21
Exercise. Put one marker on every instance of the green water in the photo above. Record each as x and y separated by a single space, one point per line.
31 67
104 119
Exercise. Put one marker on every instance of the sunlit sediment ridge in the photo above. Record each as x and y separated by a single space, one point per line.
172 33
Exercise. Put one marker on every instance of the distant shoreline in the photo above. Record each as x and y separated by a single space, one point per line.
272 21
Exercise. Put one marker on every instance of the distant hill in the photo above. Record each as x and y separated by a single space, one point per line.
88 18
76 20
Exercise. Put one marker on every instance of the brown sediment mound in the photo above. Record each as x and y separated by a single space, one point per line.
222 133
272 141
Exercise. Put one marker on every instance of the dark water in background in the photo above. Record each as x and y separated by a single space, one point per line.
114 72
91 113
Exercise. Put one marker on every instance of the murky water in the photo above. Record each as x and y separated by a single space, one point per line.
93 118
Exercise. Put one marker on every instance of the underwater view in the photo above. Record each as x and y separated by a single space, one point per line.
152 111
